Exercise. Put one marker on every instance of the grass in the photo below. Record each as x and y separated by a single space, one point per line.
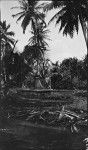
22 133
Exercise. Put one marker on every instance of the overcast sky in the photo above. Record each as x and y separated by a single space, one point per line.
60 46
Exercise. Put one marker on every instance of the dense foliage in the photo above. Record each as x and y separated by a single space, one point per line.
70 74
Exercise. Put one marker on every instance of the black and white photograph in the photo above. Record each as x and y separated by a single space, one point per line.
44 75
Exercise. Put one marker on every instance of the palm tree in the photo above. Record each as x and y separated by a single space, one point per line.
37 45
29 13
39 35
69 15
6 37
7 42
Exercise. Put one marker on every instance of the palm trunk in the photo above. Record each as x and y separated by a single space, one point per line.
87 79
85 32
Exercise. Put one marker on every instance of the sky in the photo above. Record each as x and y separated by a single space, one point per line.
60 46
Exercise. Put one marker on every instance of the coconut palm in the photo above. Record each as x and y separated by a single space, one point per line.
69 15
38 39
6 37
37 45
29 13
7 44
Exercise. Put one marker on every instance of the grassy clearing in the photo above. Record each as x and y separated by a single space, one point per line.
25 130
22 104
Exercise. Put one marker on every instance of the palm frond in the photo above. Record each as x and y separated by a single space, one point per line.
70 14
68 30
46 31
41 5
40 16
76 23
4 25
10 40
45 44
1 23
63 21
18 7
6 36
25 22
33 26
32 3
16 15
23 3
11 33
20 18
8 26
57 15
48 7
32 41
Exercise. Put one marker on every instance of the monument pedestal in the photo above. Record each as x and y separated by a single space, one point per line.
38 84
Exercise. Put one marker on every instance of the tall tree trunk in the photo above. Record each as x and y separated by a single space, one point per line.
85 32
87 77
